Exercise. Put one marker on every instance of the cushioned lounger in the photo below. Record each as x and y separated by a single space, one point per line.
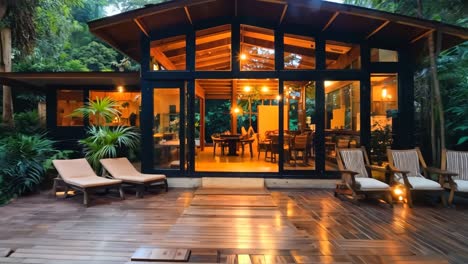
78 174
122 169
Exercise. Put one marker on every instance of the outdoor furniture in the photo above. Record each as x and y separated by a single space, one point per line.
122 169
78 174
300 145
356 173
406 165
248 141
454 165
275 147
262 145
232 141
217 141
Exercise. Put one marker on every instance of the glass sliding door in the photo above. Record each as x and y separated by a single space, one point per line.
299 129
168 125
342 118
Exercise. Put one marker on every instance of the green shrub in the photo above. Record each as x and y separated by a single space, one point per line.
28 123
24 161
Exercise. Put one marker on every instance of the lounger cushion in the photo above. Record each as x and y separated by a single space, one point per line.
91 182
78 172
421 183
462 185
371 183
122 169
141 178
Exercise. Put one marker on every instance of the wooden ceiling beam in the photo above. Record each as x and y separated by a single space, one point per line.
283 14
330 21
141 26
187 13
422 36
375 31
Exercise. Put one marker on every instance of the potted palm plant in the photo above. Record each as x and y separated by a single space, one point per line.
104 141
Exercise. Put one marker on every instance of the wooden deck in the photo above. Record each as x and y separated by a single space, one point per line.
251 226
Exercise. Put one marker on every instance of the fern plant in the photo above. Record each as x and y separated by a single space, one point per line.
24 161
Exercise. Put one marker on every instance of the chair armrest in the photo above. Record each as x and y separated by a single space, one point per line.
375 168
440 172
352 173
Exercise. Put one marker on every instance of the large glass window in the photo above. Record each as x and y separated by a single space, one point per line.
342 116
166 103
299 52
341 56
299 101
257 49
213 49
168 54
383 55
384 106
128 105
67 102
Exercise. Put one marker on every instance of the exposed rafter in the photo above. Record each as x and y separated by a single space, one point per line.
188 14
330 21
385 23
422 35
141 26
283 14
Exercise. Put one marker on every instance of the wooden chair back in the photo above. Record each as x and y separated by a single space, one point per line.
410 160
353 159
455 161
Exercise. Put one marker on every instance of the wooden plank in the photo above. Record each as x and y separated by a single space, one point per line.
4 252
161 254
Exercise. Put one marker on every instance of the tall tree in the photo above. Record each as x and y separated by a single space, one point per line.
17 27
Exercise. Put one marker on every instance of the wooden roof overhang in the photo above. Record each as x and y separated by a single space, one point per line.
45 80
381 29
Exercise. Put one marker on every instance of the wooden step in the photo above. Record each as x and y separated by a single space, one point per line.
232 183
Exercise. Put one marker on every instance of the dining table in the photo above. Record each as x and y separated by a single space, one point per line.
232 141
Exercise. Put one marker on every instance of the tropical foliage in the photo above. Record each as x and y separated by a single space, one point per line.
103 109
109 142
24 161
104 141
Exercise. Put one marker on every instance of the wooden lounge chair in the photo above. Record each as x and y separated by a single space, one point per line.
122 169
454 165
78 174
406 165
357 175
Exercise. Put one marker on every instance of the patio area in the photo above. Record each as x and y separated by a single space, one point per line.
242 226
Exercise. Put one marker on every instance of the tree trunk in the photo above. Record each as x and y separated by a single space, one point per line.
6 67
439 109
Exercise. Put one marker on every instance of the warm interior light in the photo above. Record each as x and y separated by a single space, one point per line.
247 88
264 89
328 83
398 191
243 56
384 93
236 110
278 97
120 88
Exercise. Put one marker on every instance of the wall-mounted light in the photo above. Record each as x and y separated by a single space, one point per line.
265 89
278 97
328 83
120 89
243 56
384 92
247 88
236 110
